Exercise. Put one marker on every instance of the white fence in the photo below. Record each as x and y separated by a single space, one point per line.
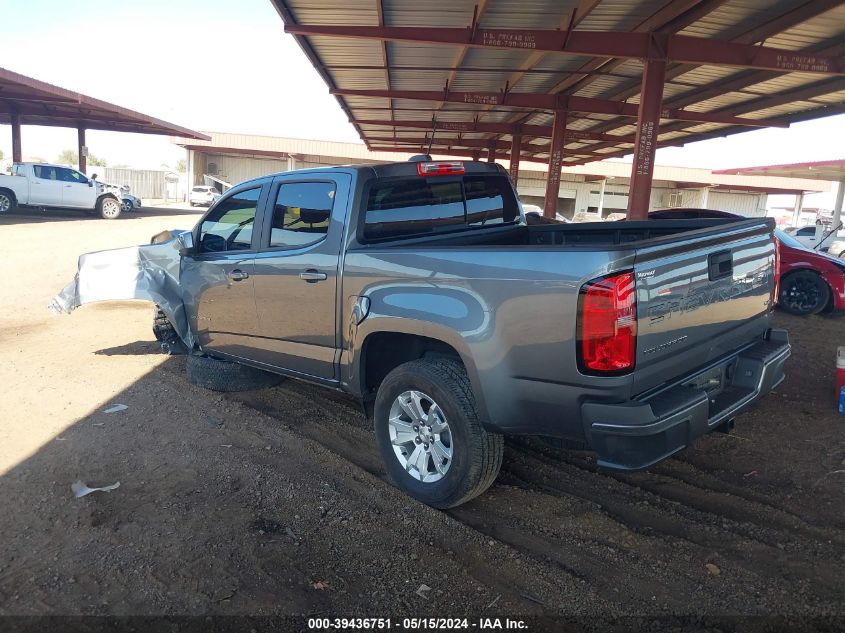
144 183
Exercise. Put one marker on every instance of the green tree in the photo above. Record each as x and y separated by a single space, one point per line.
71 158
181 165
68 157
2 155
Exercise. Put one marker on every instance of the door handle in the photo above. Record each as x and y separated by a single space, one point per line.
238 275
312 276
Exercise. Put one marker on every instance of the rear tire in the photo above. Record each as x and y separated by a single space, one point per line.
803 293
8 202
223 375
474 455
109 208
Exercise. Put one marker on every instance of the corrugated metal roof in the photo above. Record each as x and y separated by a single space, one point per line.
347 63
36 102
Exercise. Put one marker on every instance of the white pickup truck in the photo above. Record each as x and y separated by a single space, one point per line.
50 186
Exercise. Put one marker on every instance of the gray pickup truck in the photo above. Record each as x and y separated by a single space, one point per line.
418 288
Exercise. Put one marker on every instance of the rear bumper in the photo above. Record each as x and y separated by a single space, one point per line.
637 434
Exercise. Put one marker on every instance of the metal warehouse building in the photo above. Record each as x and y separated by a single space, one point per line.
598 187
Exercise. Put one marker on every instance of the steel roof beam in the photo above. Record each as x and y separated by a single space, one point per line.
673 17
739 81
626 45
552 102
538 131
437 150
480 143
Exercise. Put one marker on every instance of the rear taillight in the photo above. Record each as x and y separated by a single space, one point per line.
607 325
443 168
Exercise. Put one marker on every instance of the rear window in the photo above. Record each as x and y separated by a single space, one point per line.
405 207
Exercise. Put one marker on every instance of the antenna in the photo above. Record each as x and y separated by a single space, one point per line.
433 132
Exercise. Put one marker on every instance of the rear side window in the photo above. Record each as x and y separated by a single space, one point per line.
45 171
301 213
419 206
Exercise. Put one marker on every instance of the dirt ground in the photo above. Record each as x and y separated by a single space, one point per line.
274 502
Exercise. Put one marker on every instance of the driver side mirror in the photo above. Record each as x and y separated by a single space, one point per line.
186 241
90 183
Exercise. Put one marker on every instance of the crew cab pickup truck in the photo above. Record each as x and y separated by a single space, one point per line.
418 288
49 186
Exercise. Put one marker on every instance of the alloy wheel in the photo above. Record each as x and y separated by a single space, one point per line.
111 208
420 435
802 295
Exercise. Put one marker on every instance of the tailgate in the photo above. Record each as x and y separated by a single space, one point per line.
701 295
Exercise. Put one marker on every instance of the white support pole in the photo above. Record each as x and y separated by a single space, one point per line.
601 197
705 195
799 204
837 206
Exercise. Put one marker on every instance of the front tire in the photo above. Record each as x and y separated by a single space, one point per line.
108 208
803 293
8 202
126 206
430 438
166 334
222 375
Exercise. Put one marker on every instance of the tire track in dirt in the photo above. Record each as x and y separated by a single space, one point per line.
301 407
633 540
769 553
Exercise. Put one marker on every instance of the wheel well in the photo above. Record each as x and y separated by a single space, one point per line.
384 351
10 192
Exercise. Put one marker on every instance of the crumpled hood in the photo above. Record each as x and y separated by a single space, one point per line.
149 272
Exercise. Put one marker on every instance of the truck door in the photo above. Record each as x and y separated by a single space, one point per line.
296 273
77 190
46 188
217 280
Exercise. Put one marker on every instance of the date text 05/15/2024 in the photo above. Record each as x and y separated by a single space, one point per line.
416 624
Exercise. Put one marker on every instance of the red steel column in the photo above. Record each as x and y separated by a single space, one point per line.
17 152
83 159
516 144
491 152
555 164
645 145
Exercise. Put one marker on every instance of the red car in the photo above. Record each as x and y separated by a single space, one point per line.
810 282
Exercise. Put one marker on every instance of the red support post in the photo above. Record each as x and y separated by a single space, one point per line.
17 151
555 164
83 159
515 152
648 127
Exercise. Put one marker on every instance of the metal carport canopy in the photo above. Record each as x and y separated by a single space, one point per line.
572 81
28 101
829 170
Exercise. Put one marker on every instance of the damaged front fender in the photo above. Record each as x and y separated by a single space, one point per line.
150 272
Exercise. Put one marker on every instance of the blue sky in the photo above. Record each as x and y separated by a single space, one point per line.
228 66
